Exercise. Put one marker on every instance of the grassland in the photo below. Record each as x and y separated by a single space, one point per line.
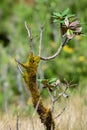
73 118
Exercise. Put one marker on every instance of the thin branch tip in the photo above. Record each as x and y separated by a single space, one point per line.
18 65
60 113
30 37
41 38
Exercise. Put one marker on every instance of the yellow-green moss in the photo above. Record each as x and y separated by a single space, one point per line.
30 79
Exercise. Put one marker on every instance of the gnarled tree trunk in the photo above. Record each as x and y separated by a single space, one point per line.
30 79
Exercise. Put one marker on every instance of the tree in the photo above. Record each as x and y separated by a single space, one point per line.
69 27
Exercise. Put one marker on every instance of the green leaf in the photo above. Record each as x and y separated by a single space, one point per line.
71 19
41 80
62 21
70 15
57 15
65 12
52 80
55 20
69 32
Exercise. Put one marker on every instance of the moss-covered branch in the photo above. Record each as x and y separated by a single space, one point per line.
30 79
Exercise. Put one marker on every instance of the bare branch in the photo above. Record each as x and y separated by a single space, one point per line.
41 36
53 56
52 108
19 66
52 100
63 43
30 37
60 113
61 94
69 84
73 85
36 107
58 51
66 41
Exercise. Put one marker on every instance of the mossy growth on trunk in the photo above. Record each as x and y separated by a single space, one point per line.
29 76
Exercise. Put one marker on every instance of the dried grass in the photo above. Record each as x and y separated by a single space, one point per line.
74 118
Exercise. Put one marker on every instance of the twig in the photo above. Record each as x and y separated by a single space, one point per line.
52 100
61 94
50 94
35 112
30 37
73 85
19 66
41 36
66 41
36 107
60 113
69 84
17 123
52 108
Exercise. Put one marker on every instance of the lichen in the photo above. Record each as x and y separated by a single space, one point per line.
29 76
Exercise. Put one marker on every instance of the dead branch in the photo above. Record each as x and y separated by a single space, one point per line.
60 113
30 37
61 94
35 113
36 107
18 65
41 36
52 100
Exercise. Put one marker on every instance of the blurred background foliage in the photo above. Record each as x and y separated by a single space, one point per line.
71 63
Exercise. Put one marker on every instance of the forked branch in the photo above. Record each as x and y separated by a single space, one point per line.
41 35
